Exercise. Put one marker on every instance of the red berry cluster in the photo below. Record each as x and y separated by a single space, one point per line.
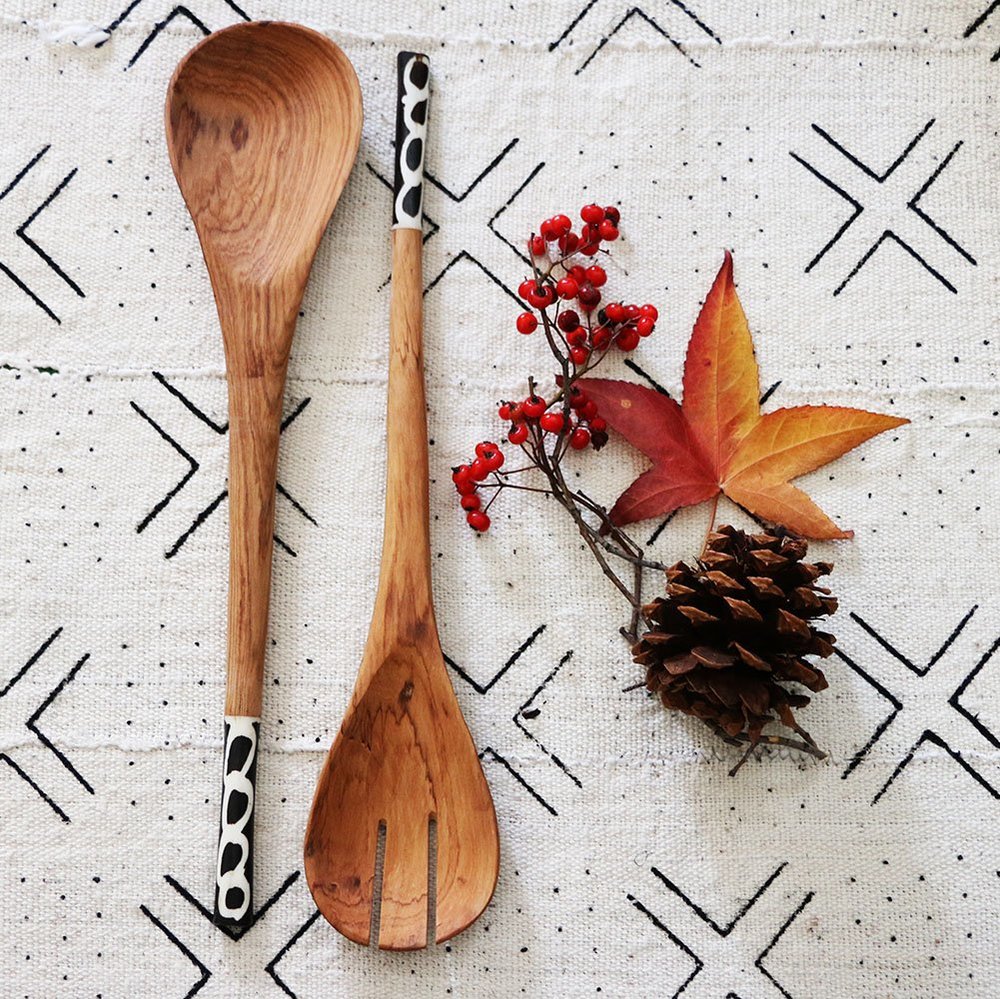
599 225
617 323
488 459
534 417
565 295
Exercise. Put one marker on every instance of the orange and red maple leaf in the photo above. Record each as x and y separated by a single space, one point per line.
717 439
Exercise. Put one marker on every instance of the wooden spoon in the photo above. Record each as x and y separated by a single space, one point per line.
403 767
263 125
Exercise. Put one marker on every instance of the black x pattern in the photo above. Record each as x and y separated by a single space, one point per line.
723 930
21 232
927 735
857 208
193 466
204 972
639 14
178 11
32 724
524 711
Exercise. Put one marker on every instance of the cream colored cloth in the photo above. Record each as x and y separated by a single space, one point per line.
632 865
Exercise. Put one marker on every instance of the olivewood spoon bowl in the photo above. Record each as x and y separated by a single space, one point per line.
263 125
403 768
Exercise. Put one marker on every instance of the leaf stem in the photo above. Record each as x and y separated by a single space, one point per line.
711 525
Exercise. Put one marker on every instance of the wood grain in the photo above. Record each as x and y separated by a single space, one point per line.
263 126
404 754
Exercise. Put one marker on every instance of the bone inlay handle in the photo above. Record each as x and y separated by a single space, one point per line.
234 870
411 135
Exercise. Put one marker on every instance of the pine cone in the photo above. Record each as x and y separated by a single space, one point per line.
736 627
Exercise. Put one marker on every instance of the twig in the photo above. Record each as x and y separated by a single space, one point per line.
743 759
777 740
633 628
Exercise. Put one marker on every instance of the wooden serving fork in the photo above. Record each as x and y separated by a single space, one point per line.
403 768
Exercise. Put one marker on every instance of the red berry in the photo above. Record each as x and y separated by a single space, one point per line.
598 424
577 337
578 273
589 249
579 439
589 296
615 311
536 245
612 213
494 460
579 355
597 275
477 520
568 320
461 474
577 398
516 414
533 407
527 323
524 287
601 338
632 311
466 488
589 410
649 310
567 288
548 230
552 422
592 214
480 470
483 446
644 326
518 433
568 243
628 339
609 231
543 297
505 411
562 223
471 502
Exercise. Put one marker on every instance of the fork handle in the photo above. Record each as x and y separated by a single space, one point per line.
404 595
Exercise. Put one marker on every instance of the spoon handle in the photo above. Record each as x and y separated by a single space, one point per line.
257 328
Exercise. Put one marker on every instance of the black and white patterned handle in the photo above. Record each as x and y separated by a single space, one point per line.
234 870
411 132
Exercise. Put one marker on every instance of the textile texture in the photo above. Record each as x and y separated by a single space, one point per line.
847 153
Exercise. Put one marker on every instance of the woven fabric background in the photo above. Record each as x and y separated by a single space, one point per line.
848 153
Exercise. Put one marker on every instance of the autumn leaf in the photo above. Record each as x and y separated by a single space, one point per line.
718 440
